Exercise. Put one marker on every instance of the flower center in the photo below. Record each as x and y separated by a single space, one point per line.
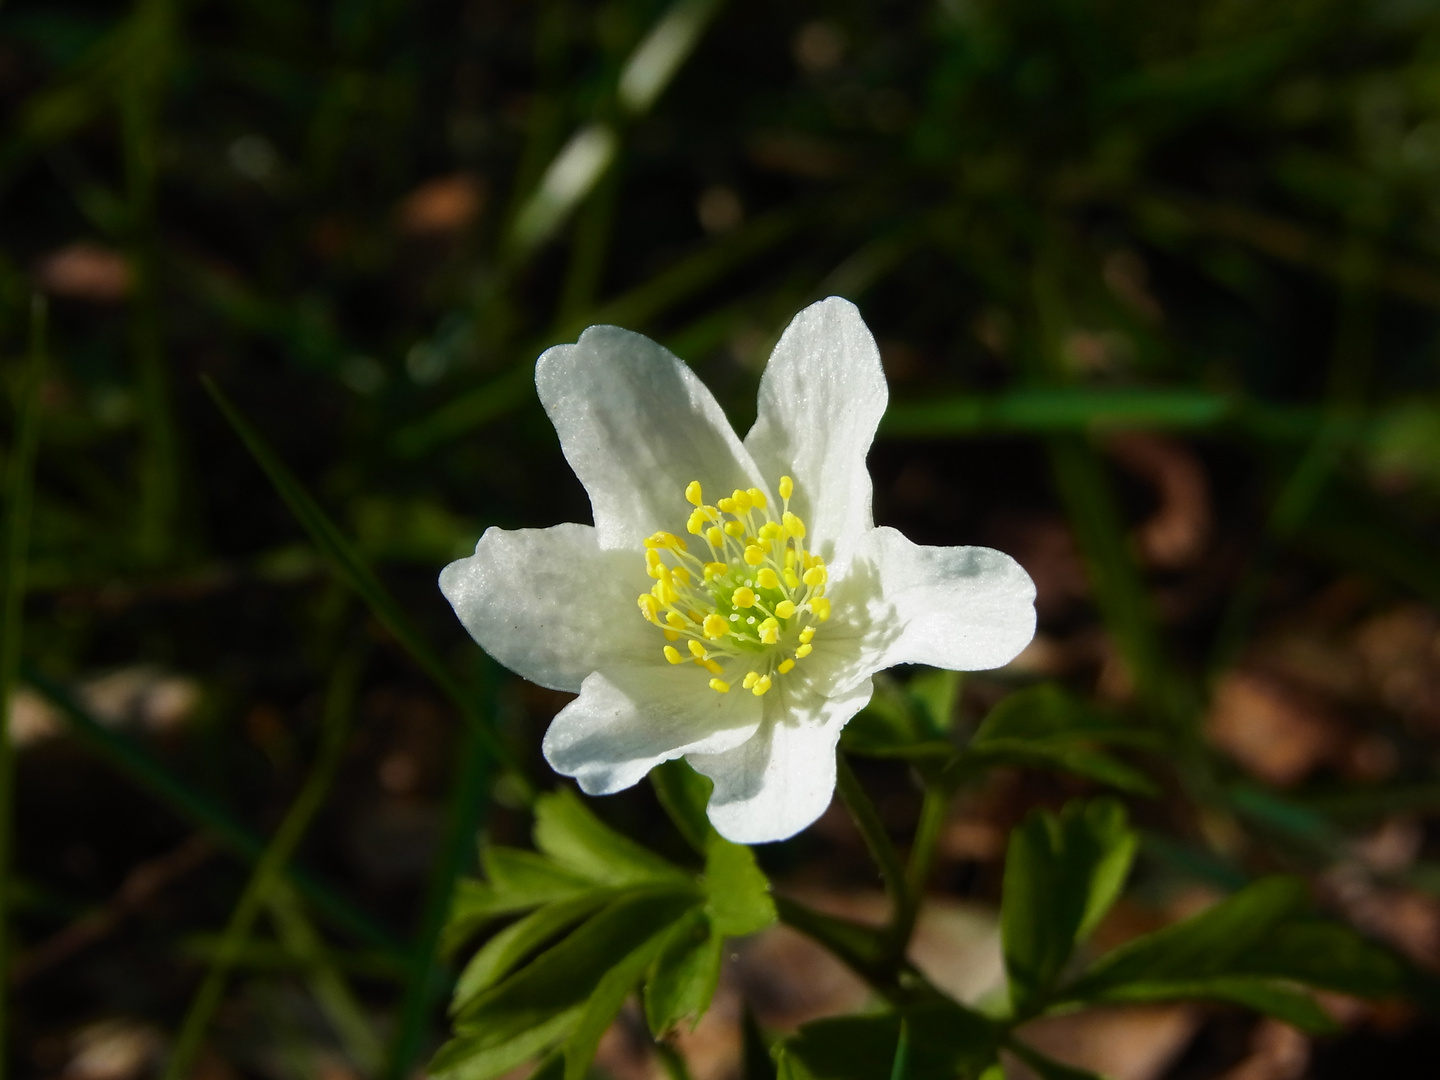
753 605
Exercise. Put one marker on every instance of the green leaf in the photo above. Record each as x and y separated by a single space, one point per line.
944 1041
934 690
519 881
476 1057
1062 874
1277 999
1329 955
607 998
1213 943
1044 727
685 974
898 722
510 946
569 833
564 975
684 794
739 892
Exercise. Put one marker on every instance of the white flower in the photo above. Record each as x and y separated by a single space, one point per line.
767 596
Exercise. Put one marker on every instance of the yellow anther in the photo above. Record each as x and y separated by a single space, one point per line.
807 635
768 531
696 524
681 575
757 497
649 607
768 579
793 525
751 678
696 649
664 592
744 597
711 666
816 575
754 555
671 635
787 487
675 619
789 558
743 501
769 631
715 570
785 609
761 685
821 607
692 493
714 627
715 536
720 686
784 667
791 580
673 655
803 651
727 506
735 528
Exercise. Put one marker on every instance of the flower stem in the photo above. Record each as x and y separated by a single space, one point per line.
873 830
922 859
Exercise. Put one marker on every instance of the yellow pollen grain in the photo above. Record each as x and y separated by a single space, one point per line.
751 678
673 655
767 579
715 536
754 555
784 668
714 627
815 576
761 685
735 528
720 686
744 597
785 609
787 487
712 667
757 497
692 493
821 607
696 524
803 651
793 525
806 635
743 501
769 631
696 649
649 607
727 506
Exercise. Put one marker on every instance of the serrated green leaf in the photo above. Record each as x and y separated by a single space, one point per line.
1062 874
569 833
510 946
607 998
934 691
518 881
684 793
685 974
945 1042
739 892
564 975
1282 1001
1210 944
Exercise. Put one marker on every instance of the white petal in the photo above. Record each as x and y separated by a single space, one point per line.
628 720
550 605
780 781
821 398
963 608
637 426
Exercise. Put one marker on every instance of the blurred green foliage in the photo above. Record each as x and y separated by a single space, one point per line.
1067 222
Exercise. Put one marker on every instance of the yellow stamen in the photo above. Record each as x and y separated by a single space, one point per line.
757 497
821 607
714 627
692 492
743 502
675 619
711 666
720 686
649 607
784 668
673 655
696 649
767 579
791 581
672 635
787 487
727 506
769 631
806 635
751 678
735 528
715 536
754 555
761 685
795 526
804 651
816 575
785 609
744 597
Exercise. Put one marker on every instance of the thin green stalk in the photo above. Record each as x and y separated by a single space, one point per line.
354 571
134 761
19 493
335 727
877 840
327 984
475 773
672 1062
922 861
